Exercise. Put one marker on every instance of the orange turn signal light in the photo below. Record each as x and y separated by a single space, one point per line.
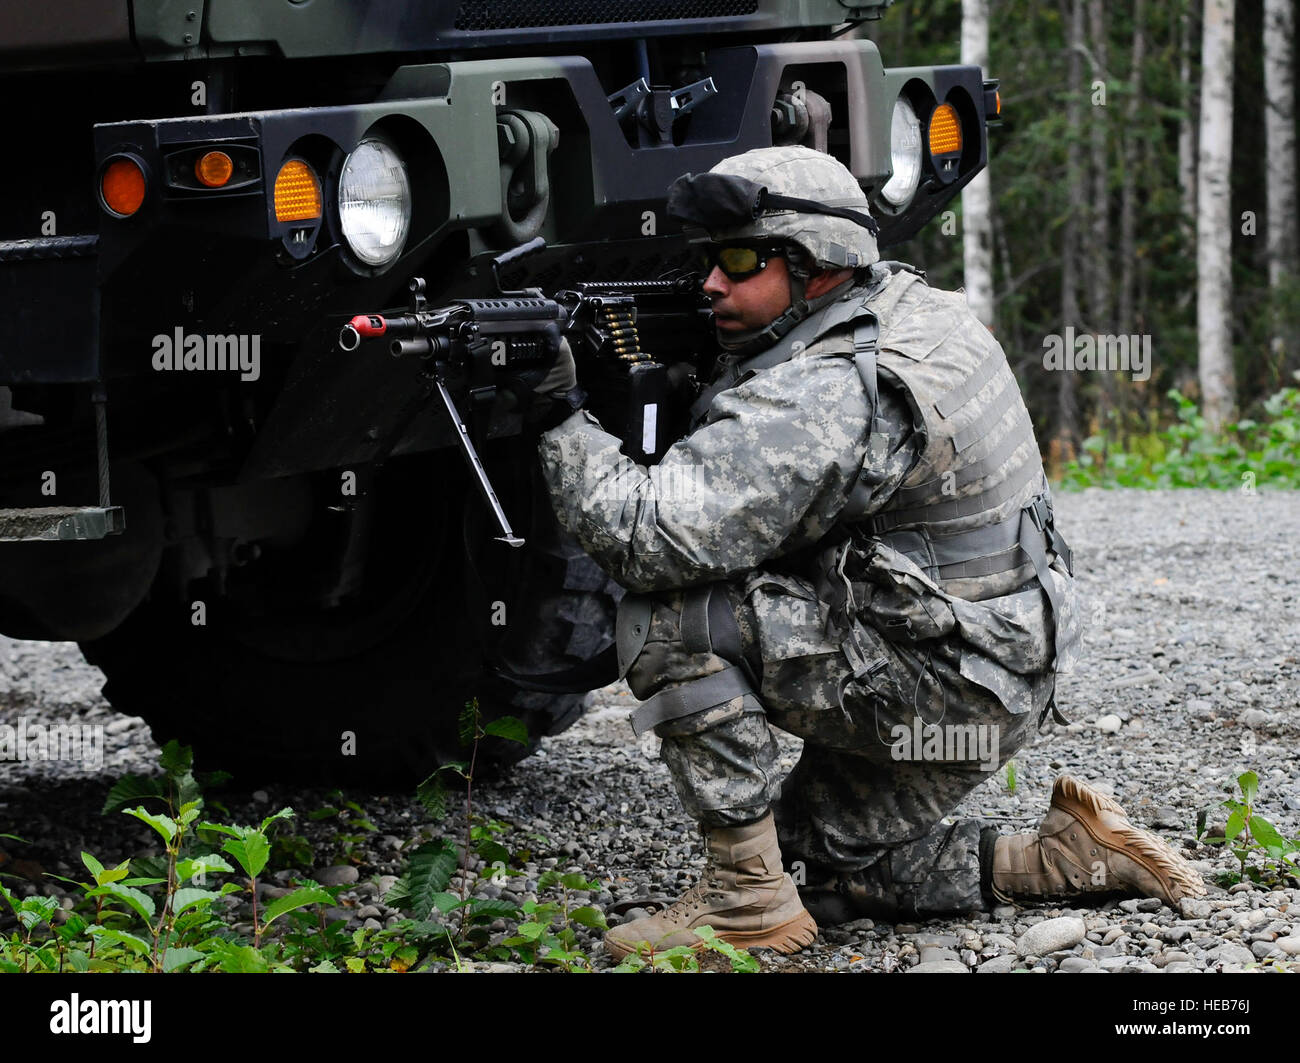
945 131
297 192
214 169
122 186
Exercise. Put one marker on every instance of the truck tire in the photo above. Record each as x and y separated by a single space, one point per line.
383 714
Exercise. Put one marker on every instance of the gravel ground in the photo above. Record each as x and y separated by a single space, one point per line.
1188 678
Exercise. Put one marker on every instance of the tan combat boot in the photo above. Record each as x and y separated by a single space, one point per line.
1086 844
745 895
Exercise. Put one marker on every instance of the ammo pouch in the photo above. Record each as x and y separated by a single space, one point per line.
894 581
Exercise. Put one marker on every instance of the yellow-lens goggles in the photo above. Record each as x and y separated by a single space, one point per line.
737 261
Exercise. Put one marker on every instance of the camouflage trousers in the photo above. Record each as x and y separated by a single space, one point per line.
878 774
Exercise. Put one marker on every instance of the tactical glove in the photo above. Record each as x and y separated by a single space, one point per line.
558 396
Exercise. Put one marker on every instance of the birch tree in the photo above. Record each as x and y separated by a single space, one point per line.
1187 126
976 200
1280 138
1214 217
1126 323
1101 252
1066 397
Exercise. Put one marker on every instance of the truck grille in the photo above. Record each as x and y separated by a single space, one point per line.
519 14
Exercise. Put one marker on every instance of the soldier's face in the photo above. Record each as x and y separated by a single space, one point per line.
752 303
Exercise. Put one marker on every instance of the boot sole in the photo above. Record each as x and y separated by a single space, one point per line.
790 936
1177 877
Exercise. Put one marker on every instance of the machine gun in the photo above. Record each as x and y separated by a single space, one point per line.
501 348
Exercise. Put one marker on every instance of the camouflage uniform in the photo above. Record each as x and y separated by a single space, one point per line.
752 502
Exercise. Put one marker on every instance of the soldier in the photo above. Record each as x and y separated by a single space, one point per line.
855 544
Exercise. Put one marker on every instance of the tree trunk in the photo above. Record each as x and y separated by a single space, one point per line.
1187 126
1280 137
1101 252
977 228
1125 323
1214 217
1067 402
1128 186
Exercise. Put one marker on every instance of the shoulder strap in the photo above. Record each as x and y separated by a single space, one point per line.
804 333
865 338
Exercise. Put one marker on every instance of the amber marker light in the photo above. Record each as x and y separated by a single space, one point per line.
945 131
214 169
297 192
122 186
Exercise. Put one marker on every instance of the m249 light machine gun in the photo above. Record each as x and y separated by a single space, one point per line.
498 349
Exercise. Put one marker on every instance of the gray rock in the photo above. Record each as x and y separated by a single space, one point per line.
1194 908
339 875
998 965
940 967
1255 718
1109 724
1112 935
943 941
1051 935
935 954
1230 953
1164 959
1290 944
1076 964
1182 968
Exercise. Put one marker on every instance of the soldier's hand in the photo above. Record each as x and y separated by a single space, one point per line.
558 396
563 375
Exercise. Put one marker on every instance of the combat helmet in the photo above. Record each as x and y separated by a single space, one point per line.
787 193
792 193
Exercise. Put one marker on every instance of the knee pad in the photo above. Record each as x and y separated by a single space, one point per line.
682 653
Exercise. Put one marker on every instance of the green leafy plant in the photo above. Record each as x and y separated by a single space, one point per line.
682 959
1251 834
167 912
1245 455
456 926
1009 775
157 913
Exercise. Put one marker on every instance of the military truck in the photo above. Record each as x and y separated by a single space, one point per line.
248 529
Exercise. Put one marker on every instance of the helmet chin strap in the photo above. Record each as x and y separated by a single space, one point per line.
743 344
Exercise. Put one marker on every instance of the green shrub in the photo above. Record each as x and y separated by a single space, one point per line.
1246 455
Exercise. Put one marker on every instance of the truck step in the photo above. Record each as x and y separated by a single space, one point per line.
60 523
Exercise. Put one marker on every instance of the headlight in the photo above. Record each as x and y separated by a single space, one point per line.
905 146
374 203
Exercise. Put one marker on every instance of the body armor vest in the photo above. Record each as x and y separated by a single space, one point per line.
957 514
975 512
